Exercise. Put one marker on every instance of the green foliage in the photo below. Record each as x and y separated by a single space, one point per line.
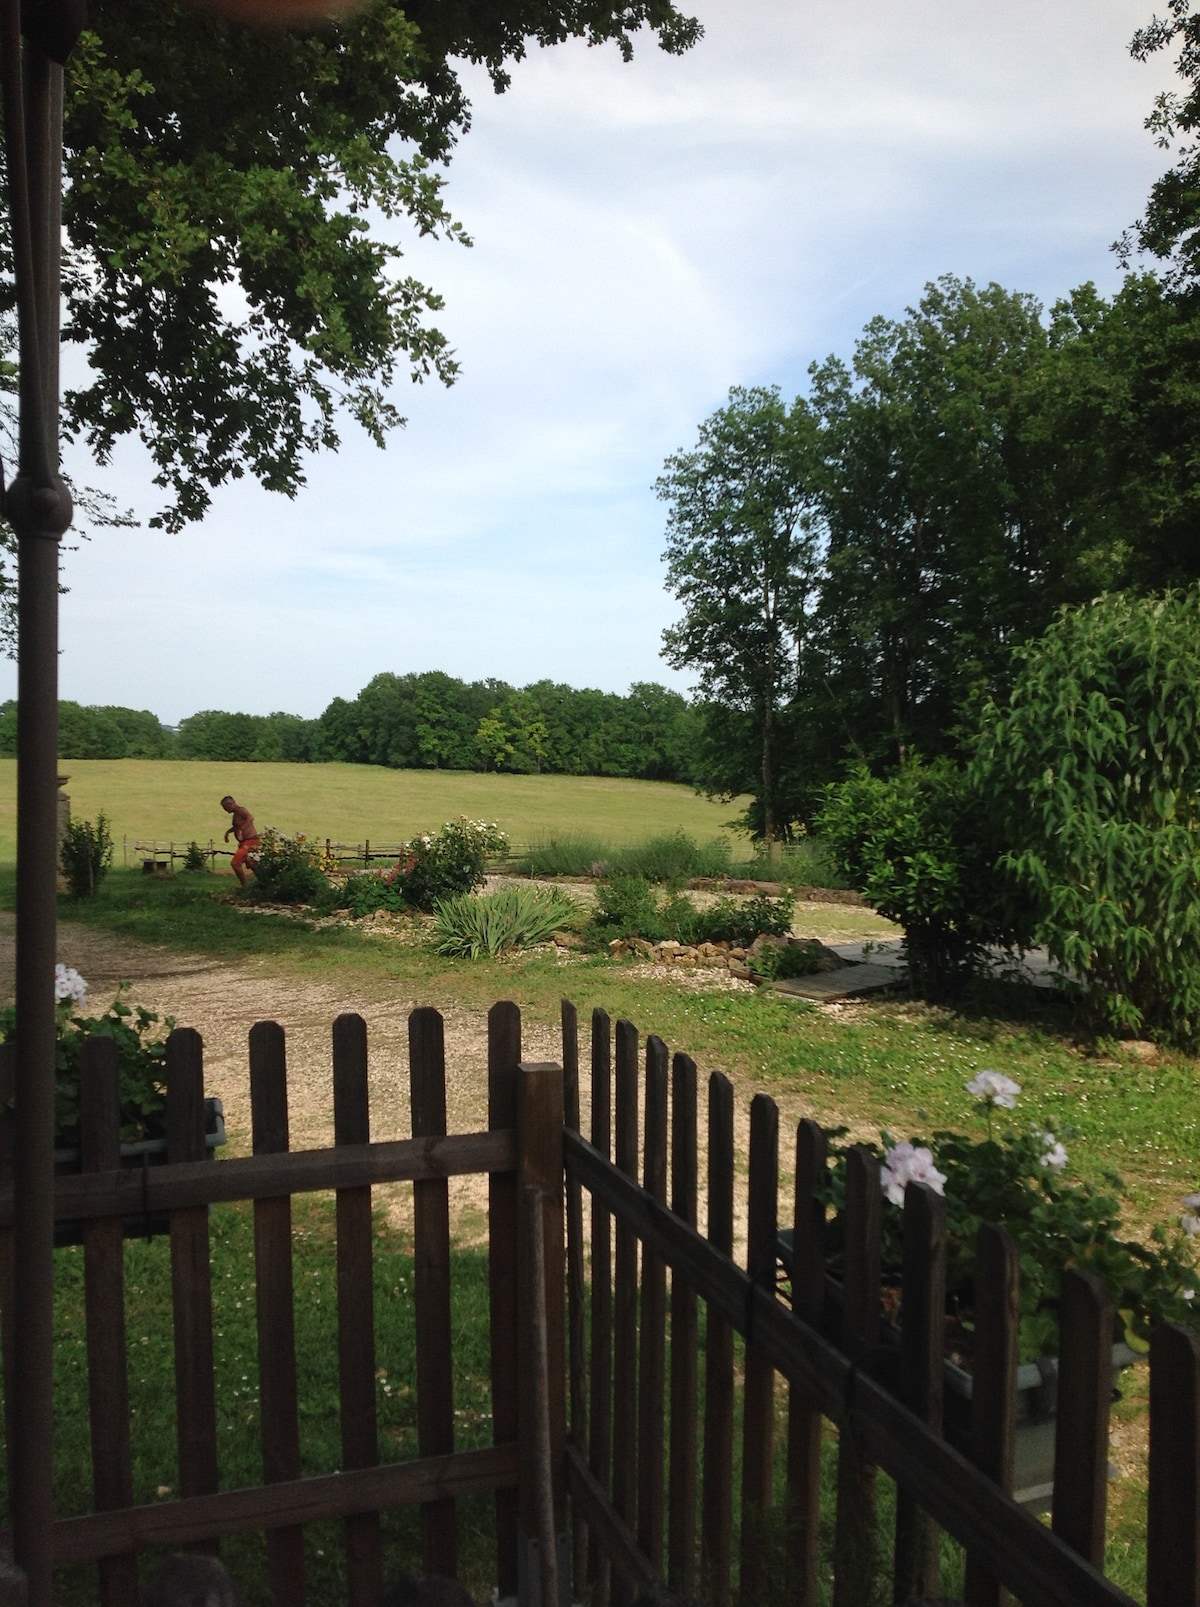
1018 1179
444 864
740 922
627 906
86 855
195 858
920 847
671 857
368 891
513 917
630 906
254 738
565 853
779 960
288 869
1093 764
140 1037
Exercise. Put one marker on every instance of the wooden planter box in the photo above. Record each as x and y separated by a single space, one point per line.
1037 1402
144 1153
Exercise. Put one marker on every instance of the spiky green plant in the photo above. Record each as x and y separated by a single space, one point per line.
512 917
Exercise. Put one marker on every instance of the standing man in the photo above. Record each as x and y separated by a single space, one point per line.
243 830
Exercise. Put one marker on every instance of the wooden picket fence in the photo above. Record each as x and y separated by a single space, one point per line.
616 1398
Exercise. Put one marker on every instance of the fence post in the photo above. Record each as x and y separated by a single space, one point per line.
717 1497
576 1285
600 1417
758 1390
104 1308
356 1307
804 1420
504 1057
994 1387
854 1547
652 1354
14 1588
431 1250
275 1308
1173 1529
8 1070
681 1517
1085 1312
624 1451
921 1365
540 1140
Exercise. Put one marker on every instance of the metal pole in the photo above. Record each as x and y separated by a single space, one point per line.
39 508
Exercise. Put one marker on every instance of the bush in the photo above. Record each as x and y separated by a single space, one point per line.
288 870
1095 770
194 859
368 891
804 863
673 857
439 865
921 847
728 921
780 960
512 917
567 854
86 855
628 906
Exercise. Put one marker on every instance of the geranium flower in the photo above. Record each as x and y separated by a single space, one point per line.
1190 1220
907 1163
1055 1156
995 1088
68 984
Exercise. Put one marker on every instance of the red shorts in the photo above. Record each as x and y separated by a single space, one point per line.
243 848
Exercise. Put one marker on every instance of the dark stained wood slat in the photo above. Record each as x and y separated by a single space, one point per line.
685 1394
625 1296
356 1308
1173 1527
652 1350
576 1287
921 1370
8 1080
269 1506
804 1418
619 1542
600 1414
431 1293
104 1305
854 1539
716 1557
758 1389
191 1277
994 1386
274 1304
247 1177
504 1058
1085 1316
1032 1561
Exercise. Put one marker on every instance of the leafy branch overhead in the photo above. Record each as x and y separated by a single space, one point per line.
233 263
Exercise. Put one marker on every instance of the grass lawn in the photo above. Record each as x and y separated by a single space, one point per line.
178 800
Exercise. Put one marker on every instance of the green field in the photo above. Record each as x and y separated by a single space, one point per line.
178 800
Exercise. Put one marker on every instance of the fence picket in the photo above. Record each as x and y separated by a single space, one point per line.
1173 1527
1085 1316
191 1277
716 1556
994 1384
922 1350
600 1417
804 1417
104 1306
504 1056
854 1541
356 1308
625 1300
652 1356
683 1485
758 1388
576 1284
431 1292
275 1306
8 1082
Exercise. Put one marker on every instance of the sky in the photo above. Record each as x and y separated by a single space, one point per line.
646 236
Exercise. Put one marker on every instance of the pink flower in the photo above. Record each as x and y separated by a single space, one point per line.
907 1163
1056 1156
995 1088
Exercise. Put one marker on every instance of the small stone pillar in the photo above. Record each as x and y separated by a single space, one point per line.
64 820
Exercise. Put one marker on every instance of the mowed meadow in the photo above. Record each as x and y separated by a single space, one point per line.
179 800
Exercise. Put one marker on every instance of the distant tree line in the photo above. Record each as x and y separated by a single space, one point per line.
429 721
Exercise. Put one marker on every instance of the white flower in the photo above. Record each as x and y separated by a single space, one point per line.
1187 1294
1055 1156
907 1163
68 984
995 1088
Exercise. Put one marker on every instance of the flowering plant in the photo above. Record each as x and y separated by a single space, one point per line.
1019 1179
444 864
140 1037
289 869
